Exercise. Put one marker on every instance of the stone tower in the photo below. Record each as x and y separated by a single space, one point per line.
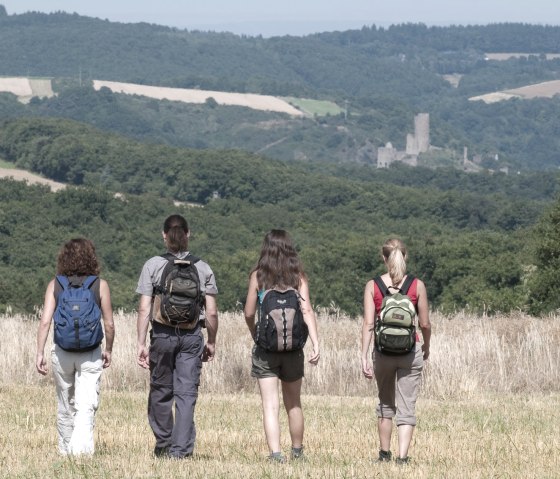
422 131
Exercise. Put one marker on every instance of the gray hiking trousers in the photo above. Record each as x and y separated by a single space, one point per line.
398 381
175 366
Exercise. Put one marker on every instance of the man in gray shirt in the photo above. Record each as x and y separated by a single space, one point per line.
176 351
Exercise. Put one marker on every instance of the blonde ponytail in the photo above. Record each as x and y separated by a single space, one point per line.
394 252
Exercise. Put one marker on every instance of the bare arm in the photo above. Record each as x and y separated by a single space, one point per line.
43 330
424 318
211 307
142 322
310 320
108 323
367 329
250 309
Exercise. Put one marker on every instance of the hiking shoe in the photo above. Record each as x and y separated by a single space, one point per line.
178 458
384 456
161 451
277 457
401 461
297 453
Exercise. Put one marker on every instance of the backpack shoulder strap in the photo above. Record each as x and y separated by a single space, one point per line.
63 281
381 285
192 258
168 256
88 282
407 284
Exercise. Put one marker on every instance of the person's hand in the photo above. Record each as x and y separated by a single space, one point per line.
314 359
209 352
367 369
426 351
142 357
106 355
41 364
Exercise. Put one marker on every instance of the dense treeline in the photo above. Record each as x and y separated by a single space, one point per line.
470 242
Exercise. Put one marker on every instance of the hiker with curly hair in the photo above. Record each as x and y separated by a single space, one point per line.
398 355
75 301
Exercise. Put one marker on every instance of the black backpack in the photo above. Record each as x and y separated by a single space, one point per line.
77 317
395 329
280 327
178 299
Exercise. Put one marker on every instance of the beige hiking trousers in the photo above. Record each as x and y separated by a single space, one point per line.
398 381
77 376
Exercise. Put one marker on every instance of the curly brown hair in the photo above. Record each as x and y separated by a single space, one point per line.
77 258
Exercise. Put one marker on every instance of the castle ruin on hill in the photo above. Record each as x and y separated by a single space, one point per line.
416 143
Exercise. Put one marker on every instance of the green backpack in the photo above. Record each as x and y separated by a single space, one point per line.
395 330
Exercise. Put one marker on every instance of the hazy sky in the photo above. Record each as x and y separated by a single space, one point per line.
299 17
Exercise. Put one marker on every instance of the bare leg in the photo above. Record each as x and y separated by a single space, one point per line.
385 428
405 437
291 392
271 407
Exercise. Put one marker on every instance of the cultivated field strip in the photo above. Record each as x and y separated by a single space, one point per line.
249 100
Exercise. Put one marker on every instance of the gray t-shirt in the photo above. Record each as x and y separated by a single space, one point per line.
153 269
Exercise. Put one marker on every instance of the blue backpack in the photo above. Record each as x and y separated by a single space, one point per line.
77 317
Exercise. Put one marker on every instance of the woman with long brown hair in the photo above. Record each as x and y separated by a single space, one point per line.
77 370
398 376
279 267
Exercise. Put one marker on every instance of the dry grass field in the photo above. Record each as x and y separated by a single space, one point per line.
490 407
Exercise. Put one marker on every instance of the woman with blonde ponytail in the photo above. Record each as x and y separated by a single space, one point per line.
398 376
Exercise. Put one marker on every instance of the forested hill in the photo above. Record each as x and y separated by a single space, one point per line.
402 60
481 241
380 77
470 236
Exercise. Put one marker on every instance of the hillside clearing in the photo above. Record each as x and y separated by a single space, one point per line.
538 90
27 88
31 178
249 100
507 56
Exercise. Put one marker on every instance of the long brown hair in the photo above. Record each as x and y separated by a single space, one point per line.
77 258
176 231
279 264
394 252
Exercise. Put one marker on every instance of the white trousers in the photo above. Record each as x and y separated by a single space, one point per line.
77 376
